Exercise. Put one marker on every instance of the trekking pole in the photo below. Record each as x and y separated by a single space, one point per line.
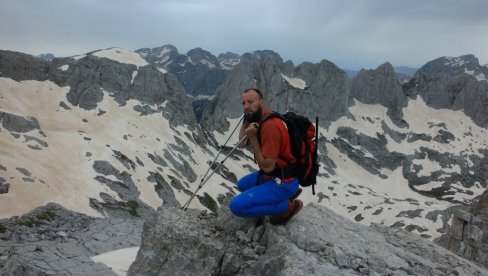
221 148
213 171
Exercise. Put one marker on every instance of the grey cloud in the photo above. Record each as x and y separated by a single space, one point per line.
350 33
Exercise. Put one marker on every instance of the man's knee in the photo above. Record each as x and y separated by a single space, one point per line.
236 207
248 181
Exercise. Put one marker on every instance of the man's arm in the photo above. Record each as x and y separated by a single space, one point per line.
265 163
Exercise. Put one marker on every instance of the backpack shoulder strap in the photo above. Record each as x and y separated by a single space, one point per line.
271 115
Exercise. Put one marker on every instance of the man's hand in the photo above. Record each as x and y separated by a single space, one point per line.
252 131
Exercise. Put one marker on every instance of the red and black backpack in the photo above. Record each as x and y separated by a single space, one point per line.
303 143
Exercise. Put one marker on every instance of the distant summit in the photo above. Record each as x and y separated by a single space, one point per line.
452 66
403 73
47 57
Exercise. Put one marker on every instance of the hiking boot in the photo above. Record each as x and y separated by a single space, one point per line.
294 206
295 196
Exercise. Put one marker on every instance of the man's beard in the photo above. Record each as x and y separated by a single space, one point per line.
254 116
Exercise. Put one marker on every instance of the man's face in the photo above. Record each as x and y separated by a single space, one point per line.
252 106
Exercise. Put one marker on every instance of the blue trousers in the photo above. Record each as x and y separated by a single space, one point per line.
266 199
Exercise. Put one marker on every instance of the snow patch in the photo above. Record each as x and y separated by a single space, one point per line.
203 97
208 63
118 260
295 82
229 64
163 52
134 74
162 70
78 57
71 140
479 77
64 67
163 60
457 61
122 56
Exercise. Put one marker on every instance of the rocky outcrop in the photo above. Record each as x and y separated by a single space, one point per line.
51 240
19 66
380 158
468 234
305 89
381 86
16 123
315 242
460 92
458 83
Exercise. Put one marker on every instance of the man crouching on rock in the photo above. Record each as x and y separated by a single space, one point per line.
266 192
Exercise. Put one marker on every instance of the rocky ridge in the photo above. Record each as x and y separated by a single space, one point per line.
453 66
315 242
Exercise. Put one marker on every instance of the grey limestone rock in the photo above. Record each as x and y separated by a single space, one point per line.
468 232
52 240
327 90
459 92
311 240
16 123
381 86
4 186
19 66
164 189
128 192
453 66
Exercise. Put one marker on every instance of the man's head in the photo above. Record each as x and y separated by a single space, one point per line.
252 104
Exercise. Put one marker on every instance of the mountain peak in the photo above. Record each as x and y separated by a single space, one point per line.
200 56
467 60
452 66
252 57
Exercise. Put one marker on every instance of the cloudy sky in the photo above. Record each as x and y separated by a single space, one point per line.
353 34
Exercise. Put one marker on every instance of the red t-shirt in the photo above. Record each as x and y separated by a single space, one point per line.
275 141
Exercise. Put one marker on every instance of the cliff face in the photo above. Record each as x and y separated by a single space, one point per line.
459 92
310 89
468 234
381 86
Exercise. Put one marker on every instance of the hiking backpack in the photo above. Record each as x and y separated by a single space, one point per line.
303 141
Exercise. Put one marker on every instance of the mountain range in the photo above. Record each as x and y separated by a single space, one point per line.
201 73
112 134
